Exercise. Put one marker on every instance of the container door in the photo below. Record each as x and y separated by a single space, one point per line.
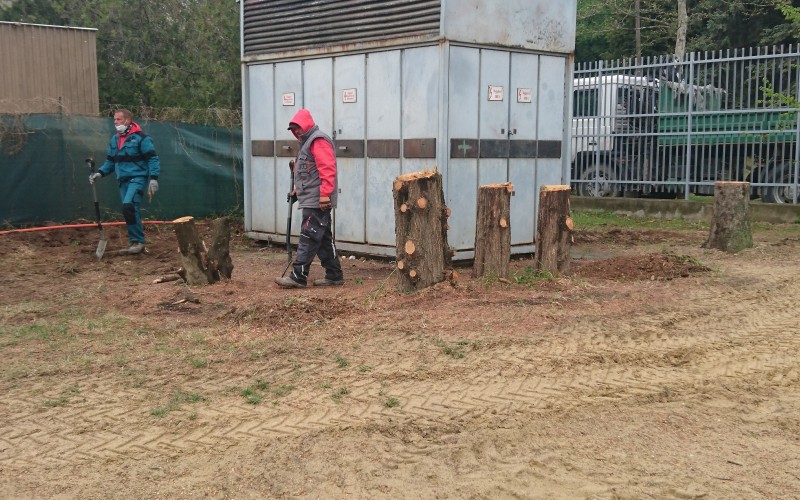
288 99
494 132
261 182
462 170
550 122
350 133
383 144
523 98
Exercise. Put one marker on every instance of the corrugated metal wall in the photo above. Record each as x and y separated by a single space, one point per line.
48 69
281 25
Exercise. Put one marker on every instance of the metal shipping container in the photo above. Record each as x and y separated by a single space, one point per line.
48 69
479 90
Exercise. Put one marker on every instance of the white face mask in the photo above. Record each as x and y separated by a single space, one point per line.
121 128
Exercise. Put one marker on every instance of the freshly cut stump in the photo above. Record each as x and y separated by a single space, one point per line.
493 231
423 255
554 230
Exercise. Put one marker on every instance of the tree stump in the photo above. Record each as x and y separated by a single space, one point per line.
493 231
201 266
219 255
730 224
423 255
553 230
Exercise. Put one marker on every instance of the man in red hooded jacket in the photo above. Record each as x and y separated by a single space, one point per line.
315 186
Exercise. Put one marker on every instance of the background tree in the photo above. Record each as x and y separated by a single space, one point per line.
181 54
607 28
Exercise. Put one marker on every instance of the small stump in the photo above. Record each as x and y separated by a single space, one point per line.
493 231
202 266
554 230
730 224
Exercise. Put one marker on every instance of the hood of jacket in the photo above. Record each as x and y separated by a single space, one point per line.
302 119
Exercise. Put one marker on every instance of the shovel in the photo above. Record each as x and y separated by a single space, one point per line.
101 246
290 200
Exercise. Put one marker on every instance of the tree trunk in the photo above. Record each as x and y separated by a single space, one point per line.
199 267
493 231
423 256
219 255
553 230
680 36
638 27
730 224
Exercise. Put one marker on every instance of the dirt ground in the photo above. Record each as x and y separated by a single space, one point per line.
657 369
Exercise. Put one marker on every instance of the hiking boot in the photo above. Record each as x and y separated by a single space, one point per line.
288 282
327 282
135 248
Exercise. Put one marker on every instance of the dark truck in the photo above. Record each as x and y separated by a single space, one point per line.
634 136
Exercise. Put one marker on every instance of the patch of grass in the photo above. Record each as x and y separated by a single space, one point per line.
174 404
344 391
60 401
457 350
364 368
530 276
607 219
198 362
359 281
341 362
391 402
282 390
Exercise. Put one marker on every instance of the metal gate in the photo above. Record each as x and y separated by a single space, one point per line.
672 128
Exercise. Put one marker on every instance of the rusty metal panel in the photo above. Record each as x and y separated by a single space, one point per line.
383 148
350 148
287 148
494 148
262 148
464 148
549 149
275 26
419 148
48 69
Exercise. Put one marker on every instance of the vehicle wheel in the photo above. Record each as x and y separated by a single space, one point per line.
781 194
599 183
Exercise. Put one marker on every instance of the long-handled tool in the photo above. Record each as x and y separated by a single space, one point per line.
101 246
290 199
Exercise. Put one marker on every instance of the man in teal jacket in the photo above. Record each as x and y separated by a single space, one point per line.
132 155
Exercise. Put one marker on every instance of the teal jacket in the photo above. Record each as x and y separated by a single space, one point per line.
136 157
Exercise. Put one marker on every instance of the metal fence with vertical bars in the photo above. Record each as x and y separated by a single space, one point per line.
671 128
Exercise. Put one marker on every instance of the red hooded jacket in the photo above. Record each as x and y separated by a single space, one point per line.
322 151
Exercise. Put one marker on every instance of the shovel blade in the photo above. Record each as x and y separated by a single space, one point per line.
101 247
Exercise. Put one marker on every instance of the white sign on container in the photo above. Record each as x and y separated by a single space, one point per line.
349 95
288 99
524 95
495 93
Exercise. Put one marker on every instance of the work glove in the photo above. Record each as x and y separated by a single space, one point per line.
153 187
291 197
95 176
325 202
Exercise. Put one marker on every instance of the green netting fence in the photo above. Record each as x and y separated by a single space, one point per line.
45 176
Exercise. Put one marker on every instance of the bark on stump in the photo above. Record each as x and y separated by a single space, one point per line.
201 268
553 230
219 255
730 224
493 231
423 256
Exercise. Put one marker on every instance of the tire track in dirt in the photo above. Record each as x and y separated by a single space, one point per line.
719 335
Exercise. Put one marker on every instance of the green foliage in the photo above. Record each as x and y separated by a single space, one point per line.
176 54
606 28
